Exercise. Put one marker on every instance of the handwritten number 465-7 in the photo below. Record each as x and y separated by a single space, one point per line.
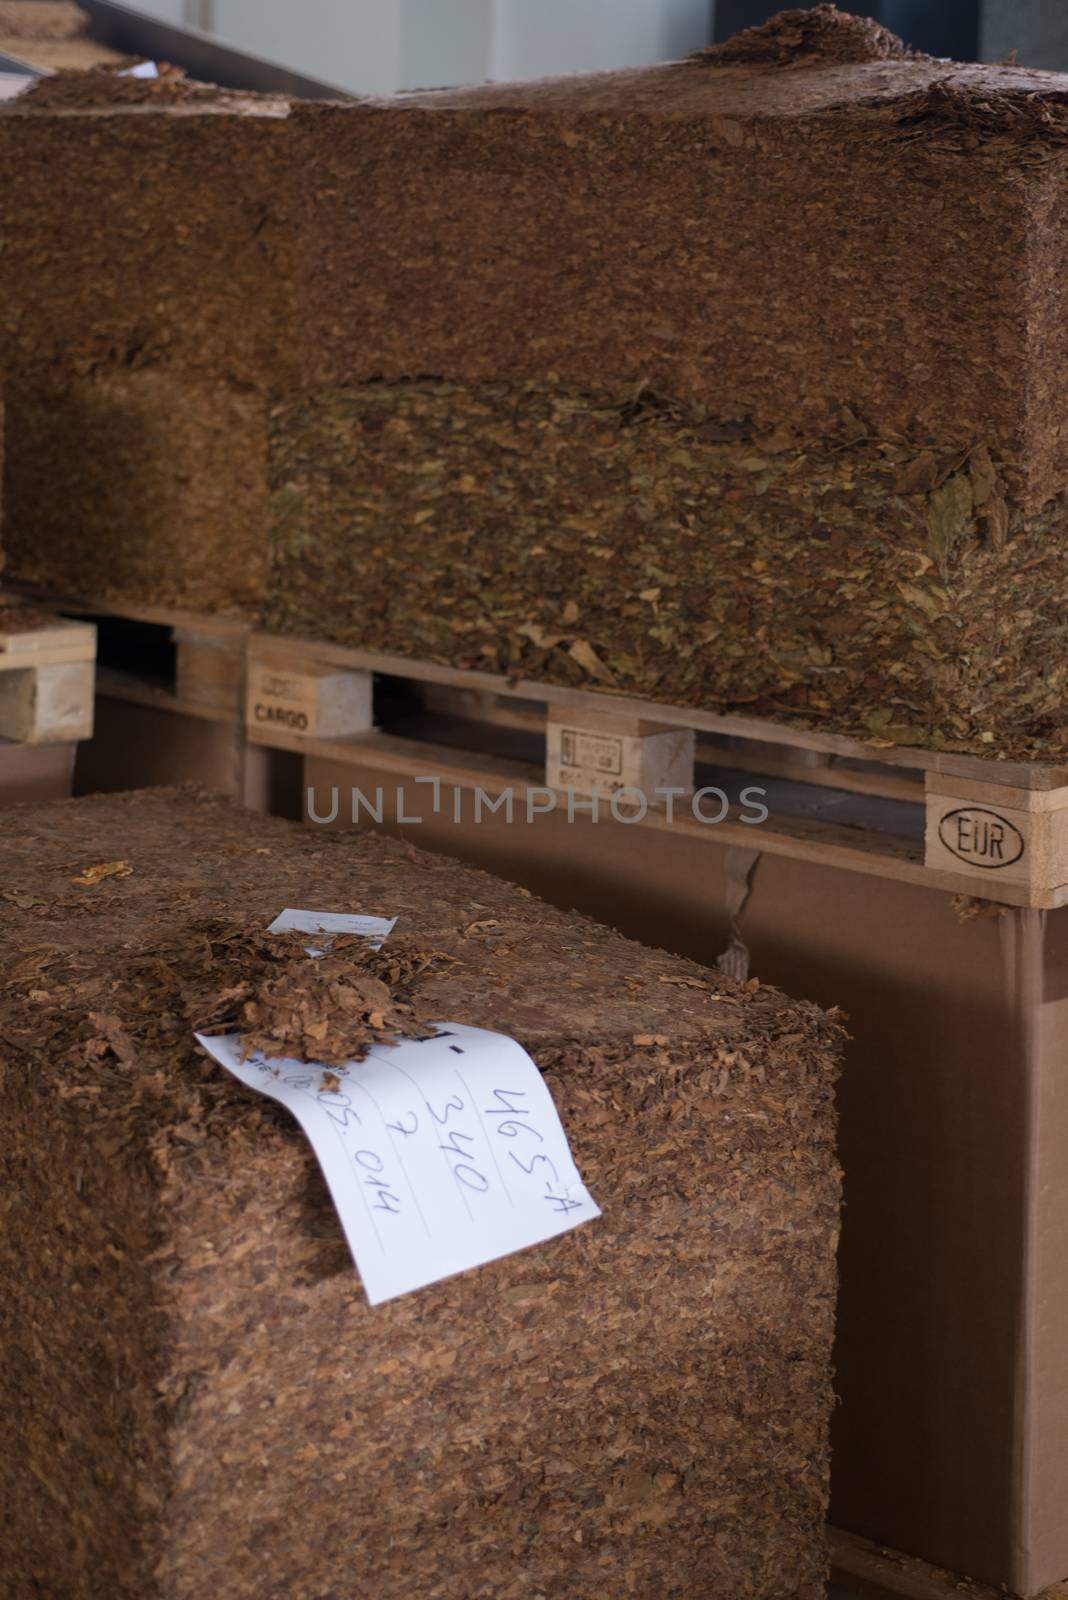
508 1108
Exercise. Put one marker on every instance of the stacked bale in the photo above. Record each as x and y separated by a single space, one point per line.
144 325
733 382
195 1395
748 372
50 33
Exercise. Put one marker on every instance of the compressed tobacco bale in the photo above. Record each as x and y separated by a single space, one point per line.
42 19
195 1397
138 482
809 213
144 318
151 228
839 579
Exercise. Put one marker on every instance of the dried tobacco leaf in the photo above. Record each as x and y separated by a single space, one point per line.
105 869
817 578
949 518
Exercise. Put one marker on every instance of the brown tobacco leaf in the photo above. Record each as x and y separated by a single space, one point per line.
324 1009
24 902
327 1009
588 659
104 869
920 476
990 503
967 908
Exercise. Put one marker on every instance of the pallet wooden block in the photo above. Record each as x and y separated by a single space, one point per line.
46 680
603 752
210 667
307 701
999 835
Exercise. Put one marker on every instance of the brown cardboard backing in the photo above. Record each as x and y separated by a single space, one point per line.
952 1359
35 772
134 747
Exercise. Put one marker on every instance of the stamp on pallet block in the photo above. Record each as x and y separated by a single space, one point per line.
604 752
310 702
998 834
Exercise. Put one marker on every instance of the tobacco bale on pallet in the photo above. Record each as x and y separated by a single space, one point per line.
839 260
50 33
808 214
196 1397
845 274
42 19
152 228
144 321
139 482
838 579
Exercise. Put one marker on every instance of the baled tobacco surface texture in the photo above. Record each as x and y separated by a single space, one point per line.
145 320
134 482
841 580
810 218
152 228
41 19
195 1397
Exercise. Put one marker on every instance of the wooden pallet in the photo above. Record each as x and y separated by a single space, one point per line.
861 1570
994 830
47 668
170 688
1003 840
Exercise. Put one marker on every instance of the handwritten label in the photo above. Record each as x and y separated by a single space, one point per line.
441 1154
377 929
980 837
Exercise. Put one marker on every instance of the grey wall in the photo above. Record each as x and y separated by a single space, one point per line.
1036 29
378 46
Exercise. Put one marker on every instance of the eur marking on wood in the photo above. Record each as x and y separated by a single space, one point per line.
980 837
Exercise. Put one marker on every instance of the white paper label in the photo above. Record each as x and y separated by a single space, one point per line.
440 1154
332 922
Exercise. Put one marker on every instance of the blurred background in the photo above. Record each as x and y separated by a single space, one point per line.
379 46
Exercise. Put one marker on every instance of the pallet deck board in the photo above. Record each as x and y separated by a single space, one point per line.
803 839
222 658
1018 774
51 643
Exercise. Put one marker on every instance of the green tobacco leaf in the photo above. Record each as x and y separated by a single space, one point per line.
949 513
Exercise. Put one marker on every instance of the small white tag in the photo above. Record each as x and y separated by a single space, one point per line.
332 922
376 929
143 69
440 1154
